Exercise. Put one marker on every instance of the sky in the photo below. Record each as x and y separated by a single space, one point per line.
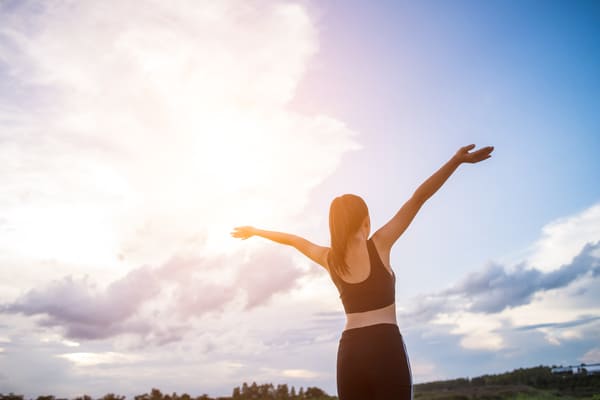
134 137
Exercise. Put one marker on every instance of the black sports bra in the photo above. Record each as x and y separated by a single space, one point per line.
377 291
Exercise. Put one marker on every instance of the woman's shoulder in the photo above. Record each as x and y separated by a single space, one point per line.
379 242
382 250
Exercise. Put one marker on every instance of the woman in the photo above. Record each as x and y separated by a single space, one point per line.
371 362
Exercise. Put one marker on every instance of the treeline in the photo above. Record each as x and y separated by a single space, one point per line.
253 391
281 392
521 380
530 383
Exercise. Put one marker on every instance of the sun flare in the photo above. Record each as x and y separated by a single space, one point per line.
168 132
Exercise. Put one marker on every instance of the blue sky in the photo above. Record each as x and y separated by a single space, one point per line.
416 79
132 141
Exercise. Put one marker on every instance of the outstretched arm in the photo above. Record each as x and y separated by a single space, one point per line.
387 235
316 253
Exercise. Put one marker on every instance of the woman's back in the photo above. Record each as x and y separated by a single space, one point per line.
367 291
357 260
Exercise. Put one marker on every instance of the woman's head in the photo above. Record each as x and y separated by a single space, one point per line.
347 215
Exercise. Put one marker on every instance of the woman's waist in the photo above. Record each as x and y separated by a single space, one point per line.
384 315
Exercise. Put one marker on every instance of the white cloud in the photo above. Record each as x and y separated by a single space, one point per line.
152 131
477 330
90 359
423 370
559 303
562 239
591 357
54 337
299 373
557 306
557 336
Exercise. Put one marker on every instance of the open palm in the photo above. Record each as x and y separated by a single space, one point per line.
243 232
478 155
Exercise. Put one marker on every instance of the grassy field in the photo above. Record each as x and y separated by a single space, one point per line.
522 383
497 392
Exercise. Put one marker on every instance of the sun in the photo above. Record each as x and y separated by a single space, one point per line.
161 134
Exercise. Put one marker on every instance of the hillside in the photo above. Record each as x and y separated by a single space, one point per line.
523 383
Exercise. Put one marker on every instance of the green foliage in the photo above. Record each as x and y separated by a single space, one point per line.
281 392
523 383
112 396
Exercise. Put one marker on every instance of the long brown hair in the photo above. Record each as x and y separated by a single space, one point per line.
346 213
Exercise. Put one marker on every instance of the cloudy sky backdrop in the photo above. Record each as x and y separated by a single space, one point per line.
134 136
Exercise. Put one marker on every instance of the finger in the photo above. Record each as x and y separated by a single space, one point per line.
469 147
482 158
485 150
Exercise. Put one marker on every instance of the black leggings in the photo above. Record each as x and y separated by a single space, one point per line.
372 364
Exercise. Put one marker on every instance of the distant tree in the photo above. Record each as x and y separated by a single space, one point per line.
112 396
314 392
266 391
84 397
156 394
49 397
11 396
253 391
282 393
293 393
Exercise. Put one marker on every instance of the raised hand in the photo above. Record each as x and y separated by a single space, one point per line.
243 232
464 156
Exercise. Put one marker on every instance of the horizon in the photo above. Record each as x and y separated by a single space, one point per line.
297 388
292 387
134 138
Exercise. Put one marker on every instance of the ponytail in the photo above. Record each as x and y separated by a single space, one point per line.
346 213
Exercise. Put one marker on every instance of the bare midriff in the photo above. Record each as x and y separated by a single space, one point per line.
384 315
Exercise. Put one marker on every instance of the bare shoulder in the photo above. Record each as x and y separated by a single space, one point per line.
380 243
382 247
320 255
